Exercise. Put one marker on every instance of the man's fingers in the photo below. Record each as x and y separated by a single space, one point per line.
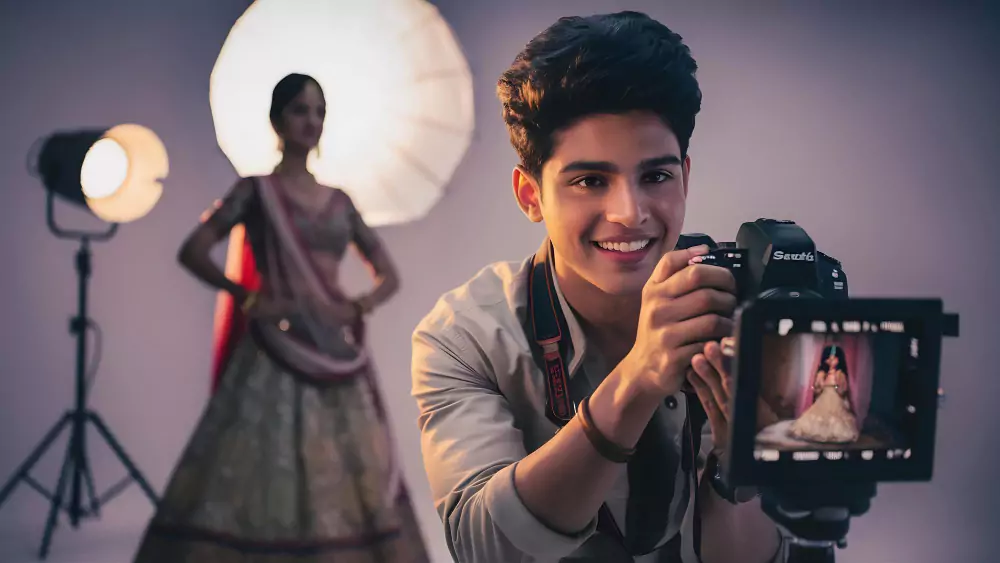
711 378
683 355
675 261
728 346
698 331
716 418
695 277
693 305
721 363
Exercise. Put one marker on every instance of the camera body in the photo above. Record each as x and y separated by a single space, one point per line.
774 259
827 389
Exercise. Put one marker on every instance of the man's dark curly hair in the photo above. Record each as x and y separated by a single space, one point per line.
601 64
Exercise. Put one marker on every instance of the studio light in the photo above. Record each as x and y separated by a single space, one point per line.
398 91
116 173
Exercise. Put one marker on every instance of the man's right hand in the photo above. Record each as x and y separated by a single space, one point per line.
684 305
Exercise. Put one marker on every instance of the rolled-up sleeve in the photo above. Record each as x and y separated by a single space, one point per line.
471 447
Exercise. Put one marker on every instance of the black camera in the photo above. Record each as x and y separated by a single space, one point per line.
772 259
832 394
827 388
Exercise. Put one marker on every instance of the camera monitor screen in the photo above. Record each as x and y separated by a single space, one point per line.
830 390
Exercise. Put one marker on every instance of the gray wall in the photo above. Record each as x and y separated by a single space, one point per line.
875 128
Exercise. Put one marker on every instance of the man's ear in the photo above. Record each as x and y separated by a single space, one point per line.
528 193
686 173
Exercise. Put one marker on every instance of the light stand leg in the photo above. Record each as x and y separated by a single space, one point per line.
123 457
88 476
29 463
57 501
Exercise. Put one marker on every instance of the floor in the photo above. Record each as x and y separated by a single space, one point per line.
111 539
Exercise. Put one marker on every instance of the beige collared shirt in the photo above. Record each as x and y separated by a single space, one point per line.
482 409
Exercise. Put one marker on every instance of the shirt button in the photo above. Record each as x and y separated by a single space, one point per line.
671 402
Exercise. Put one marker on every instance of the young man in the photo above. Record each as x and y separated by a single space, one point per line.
600 111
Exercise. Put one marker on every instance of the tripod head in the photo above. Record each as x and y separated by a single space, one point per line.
816 518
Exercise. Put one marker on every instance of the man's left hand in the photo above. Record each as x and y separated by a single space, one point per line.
710 377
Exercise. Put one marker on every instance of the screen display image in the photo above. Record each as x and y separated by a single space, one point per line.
823 392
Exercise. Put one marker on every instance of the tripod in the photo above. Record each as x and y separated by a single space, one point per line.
76 472
816 519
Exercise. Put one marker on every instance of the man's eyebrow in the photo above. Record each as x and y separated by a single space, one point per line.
611 168
590 166
665 160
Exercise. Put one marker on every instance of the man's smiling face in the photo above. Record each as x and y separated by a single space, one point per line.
612 197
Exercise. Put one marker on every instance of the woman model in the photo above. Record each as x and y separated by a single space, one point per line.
293 459
830 419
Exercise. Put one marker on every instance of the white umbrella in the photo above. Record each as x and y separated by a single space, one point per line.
398 90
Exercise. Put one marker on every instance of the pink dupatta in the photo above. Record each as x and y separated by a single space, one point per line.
286 257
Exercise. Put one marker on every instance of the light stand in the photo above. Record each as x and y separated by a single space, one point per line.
76 470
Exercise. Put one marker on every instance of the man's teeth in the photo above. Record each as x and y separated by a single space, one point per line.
624 246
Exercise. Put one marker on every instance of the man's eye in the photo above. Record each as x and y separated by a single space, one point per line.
589 182
657 177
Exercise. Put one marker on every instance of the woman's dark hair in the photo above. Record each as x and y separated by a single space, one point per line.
285 91
602 64
838 351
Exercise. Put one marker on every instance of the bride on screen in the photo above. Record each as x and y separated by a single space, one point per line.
830 419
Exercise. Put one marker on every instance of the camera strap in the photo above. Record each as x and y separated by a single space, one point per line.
652 470
550 337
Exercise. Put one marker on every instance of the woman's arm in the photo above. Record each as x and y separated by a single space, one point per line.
841 378
818 382
194 253
378 260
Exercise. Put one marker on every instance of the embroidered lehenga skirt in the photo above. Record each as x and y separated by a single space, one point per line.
285 468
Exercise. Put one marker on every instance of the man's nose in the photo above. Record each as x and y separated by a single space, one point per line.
626 206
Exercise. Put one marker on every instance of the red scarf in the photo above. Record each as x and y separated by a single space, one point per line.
230 322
